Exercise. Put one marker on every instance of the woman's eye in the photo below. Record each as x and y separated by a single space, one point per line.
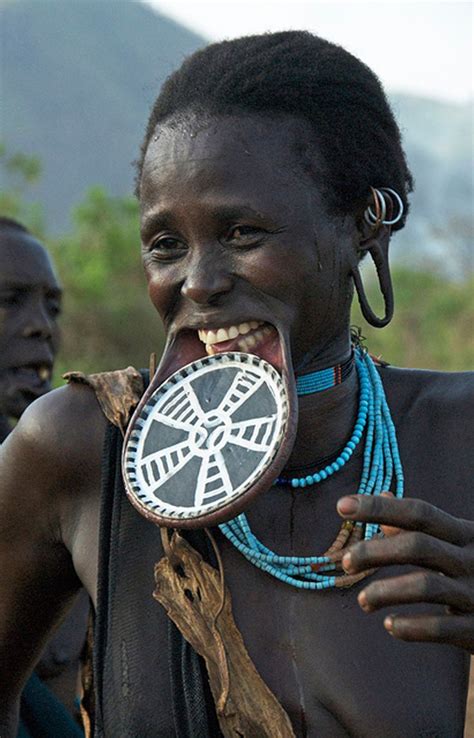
244 234
167 247
165 243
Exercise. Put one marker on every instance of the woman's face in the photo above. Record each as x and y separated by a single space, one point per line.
238 249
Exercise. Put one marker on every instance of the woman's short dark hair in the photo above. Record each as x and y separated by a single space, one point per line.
302 75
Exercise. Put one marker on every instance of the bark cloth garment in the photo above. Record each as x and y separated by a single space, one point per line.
149 681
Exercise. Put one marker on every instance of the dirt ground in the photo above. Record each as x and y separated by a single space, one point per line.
469 729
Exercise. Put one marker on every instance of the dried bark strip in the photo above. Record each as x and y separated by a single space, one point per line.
117 392
193 596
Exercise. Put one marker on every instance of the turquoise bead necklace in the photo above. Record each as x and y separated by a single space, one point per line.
381 464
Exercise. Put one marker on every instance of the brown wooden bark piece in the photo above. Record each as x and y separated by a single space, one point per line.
196 600
117 392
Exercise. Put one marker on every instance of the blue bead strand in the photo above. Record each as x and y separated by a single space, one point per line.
381 463
365 396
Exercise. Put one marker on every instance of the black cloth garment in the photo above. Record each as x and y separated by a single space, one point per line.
149 681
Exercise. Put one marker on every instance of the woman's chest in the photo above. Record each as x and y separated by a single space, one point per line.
335 669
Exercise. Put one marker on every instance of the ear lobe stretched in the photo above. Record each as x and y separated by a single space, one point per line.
376 244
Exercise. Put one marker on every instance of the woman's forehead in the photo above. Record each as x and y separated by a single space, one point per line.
226 148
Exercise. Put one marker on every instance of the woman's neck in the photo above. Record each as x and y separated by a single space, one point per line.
325 423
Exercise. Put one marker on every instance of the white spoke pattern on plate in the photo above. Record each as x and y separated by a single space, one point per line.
167 462
243 386
213 469
253 434
182 411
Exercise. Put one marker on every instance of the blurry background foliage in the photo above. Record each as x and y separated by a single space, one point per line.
108 321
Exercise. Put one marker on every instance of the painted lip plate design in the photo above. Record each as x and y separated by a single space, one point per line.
204 438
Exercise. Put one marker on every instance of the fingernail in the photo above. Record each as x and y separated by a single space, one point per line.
362 600
347 505
388 624
346 562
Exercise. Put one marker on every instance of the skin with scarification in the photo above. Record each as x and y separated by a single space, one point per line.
233 231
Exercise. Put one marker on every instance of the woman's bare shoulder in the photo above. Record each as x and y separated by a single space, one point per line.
444 393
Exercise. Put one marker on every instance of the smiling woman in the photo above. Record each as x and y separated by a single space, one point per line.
237 224
270 167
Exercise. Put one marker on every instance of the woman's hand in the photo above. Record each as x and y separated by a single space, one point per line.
421 535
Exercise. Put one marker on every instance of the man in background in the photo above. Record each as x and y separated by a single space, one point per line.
30 302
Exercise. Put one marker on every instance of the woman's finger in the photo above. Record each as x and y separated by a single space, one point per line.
419 586
456 630
418 549
408 514
389 530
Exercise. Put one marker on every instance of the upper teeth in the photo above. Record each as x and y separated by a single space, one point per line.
246 341
228 334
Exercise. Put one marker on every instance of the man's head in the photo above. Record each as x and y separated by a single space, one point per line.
30 299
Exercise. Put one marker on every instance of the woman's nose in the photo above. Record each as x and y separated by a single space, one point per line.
206 282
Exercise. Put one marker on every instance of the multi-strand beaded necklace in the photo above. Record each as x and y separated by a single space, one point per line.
381 464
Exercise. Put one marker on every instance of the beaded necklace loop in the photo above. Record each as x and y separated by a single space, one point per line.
381 464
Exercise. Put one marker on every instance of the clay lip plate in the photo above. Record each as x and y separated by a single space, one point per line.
203 443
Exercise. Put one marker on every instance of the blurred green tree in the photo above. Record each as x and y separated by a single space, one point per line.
23 173
433 326
108 319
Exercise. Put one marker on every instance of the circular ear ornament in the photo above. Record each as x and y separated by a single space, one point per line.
204 442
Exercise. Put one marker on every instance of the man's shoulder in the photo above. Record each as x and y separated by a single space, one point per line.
51 462
62 428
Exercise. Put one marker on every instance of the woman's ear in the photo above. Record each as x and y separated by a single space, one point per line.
384 208
369 235
375 241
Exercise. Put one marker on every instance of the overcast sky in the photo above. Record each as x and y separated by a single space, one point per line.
422 47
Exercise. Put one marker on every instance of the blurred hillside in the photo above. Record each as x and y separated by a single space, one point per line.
439 147
78 79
